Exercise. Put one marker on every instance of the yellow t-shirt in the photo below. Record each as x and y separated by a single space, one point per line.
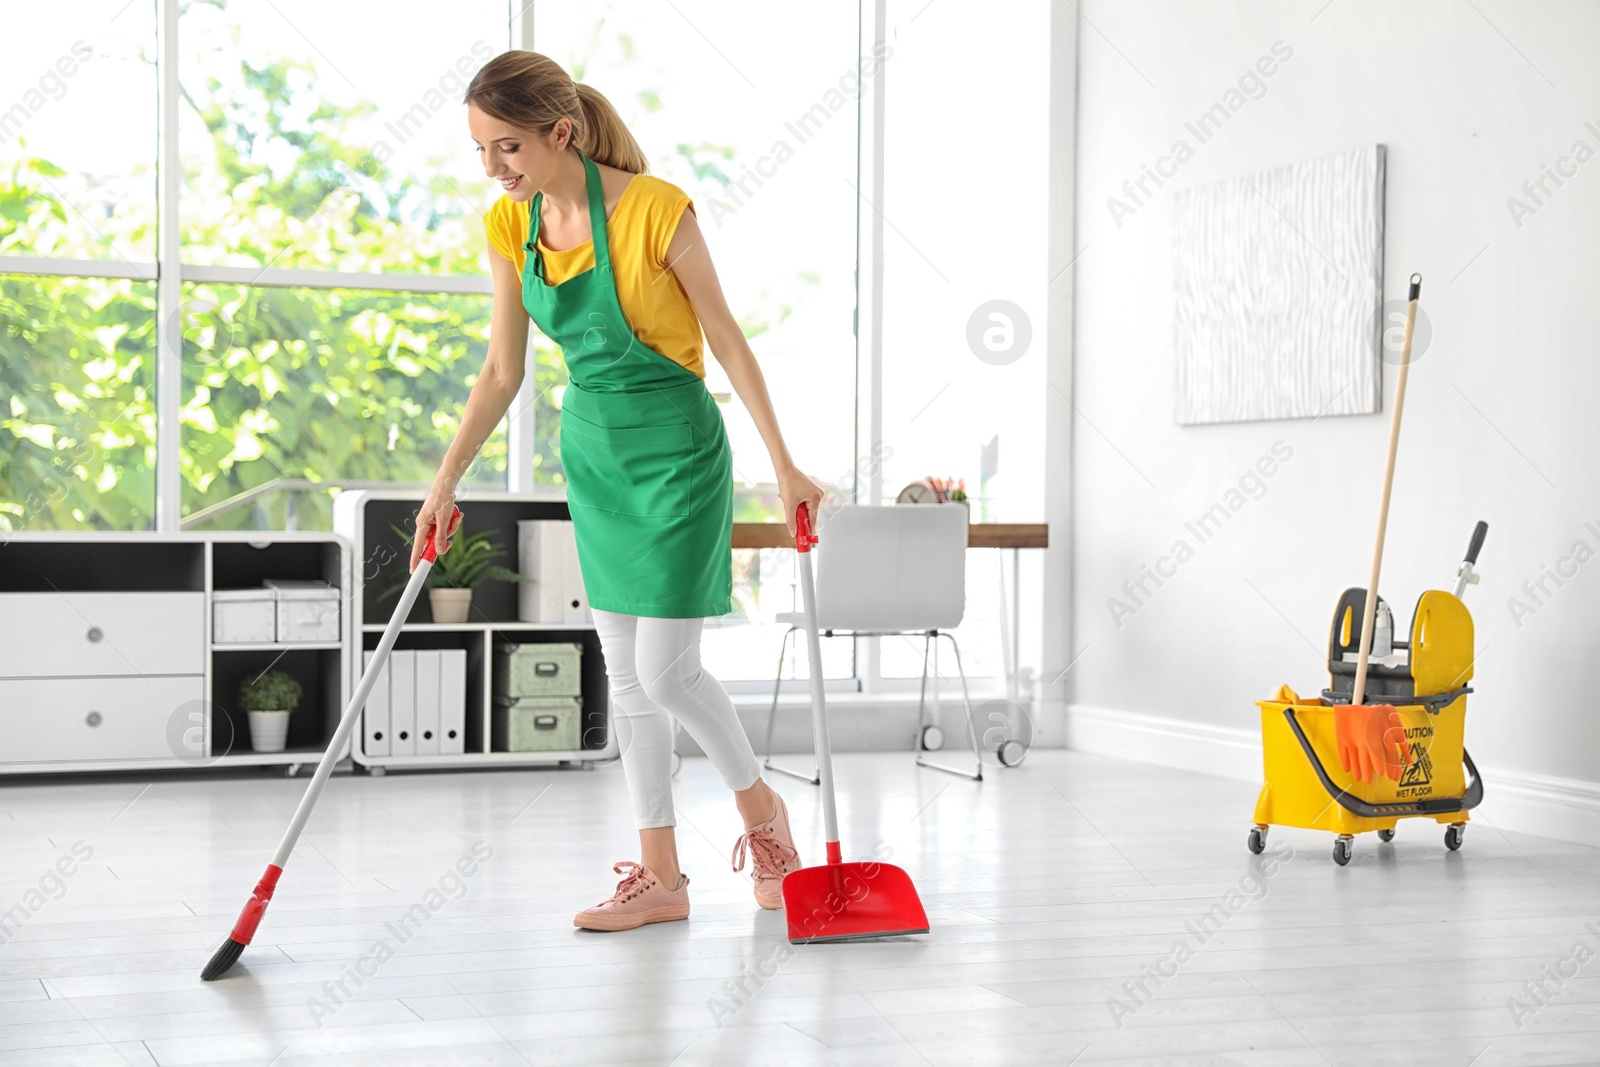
640 228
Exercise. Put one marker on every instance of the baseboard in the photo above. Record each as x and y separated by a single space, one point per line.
1226 751
1565 809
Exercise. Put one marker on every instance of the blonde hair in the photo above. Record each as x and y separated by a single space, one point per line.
532 92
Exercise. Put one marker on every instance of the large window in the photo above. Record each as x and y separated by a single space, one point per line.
965 166
314 137
752 112
77 196
300 245
331 309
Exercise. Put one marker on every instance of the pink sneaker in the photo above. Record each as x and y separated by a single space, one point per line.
772 848
640 898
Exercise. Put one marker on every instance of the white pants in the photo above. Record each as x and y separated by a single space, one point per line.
655 674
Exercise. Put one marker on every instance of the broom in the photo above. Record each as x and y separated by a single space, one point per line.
244 929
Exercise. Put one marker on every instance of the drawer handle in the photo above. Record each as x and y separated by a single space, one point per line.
94 635
93 718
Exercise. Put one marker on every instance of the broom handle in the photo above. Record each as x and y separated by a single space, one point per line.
358 700
1360 691
804 539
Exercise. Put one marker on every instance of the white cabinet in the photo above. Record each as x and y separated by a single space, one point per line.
108 659
59 634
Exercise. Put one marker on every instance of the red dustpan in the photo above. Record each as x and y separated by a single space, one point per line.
840 901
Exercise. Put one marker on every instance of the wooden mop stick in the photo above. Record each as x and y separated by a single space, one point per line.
1360 691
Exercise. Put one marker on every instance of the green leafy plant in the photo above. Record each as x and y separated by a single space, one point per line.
470 560
271 691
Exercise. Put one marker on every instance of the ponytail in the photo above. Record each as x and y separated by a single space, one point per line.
603 136
531 91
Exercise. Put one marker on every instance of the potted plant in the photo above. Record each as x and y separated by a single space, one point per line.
269 699
958 495
470 560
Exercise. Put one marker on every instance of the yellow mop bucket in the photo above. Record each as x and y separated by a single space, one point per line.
1305 785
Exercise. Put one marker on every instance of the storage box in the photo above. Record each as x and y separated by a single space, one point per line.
307 611
538 670
243 616
538 724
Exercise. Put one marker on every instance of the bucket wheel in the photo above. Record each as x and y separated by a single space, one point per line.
1453 835
1343 846
1011 752
931 738
1386 835
1257 841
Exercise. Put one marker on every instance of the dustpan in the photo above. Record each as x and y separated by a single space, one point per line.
840 901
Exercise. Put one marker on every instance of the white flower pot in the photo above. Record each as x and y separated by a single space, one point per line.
450 605
268 729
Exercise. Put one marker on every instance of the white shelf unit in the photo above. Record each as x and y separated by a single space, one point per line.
367 518
106 657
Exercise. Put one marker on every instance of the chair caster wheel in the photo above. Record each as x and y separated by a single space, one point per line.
932 738
1258 839
1385 835
1342 848
1011 752
1453 835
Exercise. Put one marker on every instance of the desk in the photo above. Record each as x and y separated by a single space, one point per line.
1002 535
979 535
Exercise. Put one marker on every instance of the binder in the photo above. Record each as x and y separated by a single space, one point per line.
528 567
375 716
574 602
547 551
402 703
428 702
453 701
552 568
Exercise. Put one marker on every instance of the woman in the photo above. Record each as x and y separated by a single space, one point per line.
610 265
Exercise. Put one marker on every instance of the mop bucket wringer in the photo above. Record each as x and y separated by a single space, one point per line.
1305 785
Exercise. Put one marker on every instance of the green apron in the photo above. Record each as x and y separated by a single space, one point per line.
646 457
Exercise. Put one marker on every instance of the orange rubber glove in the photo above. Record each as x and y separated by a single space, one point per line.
1386 741
1349 731
1371 740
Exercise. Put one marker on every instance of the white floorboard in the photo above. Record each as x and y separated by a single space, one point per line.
1048 886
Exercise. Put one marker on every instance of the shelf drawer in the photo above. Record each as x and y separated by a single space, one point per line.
74 634
47 719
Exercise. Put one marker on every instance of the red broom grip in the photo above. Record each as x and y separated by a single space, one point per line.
834 855
256 906
803 537
431 552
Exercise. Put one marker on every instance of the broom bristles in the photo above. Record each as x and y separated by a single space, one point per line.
226 956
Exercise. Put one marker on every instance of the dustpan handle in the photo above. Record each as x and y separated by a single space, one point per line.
804 540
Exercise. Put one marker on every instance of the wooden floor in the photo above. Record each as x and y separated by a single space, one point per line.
1056 891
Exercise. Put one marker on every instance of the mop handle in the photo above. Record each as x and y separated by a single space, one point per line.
358 700
803 541
1360 690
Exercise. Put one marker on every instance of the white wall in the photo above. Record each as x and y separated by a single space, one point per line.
1500 414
